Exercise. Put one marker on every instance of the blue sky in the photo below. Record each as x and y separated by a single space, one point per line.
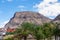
9 7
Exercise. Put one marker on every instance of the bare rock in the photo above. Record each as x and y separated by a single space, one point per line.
26 16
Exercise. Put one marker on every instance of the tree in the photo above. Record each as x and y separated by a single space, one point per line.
24 30
57 31
48 29
38 32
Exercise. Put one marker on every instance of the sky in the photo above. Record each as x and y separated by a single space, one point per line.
48 8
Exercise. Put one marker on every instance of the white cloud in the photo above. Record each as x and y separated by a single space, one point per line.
47 1
48 8
3 23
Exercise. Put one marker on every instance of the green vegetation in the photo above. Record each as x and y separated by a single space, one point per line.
48 30
39 32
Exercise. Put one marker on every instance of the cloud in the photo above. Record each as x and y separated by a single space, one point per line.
3 23
49 8
53 1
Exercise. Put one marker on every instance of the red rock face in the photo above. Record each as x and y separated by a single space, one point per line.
10 30
26 16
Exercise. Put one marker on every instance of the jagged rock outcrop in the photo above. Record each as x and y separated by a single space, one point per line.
26 16
57 19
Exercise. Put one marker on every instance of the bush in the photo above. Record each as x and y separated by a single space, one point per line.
9 39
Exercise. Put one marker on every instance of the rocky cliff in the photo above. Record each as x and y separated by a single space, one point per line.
26 16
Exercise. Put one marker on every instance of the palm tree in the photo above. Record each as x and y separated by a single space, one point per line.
57 31
48 29
24 30
26 27
38 32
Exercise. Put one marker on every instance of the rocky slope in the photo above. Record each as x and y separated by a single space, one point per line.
57 19
26 16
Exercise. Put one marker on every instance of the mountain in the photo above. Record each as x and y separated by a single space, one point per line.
57 19
26 16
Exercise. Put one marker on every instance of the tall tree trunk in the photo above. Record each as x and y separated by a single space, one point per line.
59 37
38 39
25 37
56 37
50 38
44 38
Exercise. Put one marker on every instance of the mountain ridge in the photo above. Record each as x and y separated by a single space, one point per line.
26 16
57 19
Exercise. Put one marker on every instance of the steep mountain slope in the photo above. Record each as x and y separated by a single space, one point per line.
26 16
57 19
